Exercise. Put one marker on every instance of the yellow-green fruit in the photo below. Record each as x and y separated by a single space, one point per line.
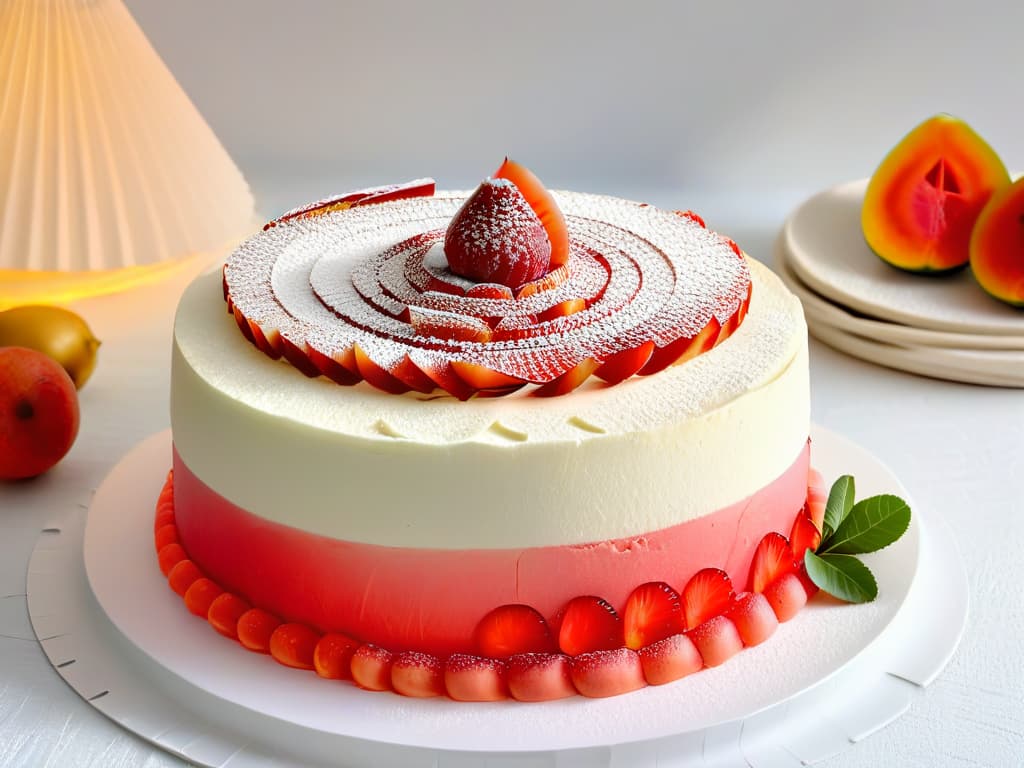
54 331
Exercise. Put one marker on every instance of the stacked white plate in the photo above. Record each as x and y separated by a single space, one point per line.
942 326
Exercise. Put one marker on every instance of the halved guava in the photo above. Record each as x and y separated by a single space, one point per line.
922 201
997 245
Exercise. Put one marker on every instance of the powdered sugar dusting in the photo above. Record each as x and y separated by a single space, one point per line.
463 662
359 277
416 659
496 235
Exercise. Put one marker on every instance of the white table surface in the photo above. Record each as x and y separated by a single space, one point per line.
959 449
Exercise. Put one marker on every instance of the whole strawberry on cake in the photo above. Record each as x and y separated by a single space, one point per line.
506 444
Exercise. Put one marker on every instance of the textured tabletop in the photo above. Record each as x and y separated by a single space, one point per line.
957 448
738 111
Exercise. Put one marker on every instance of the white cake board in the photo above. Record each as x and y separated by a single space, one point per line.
826 249
828 678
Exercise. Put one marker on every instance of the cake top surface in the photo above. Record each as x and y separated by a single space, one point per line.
762 348
454 292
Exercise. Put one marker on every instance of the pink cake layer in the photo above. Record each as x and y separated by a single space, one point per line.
430 600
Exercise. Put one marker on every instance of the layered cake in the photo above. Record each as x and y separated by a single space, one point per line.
508 443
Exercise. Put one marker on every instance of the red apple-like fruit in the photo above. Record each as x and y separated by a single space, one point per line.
38 413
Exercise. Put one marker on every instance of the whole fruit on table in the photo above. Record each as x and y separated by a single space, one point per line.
38 413
55 331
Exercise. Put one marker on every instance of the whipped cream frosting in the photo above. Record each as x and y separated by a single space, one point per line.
427 471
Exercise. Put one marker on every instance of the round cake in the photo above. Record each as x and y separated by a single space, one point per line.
450 465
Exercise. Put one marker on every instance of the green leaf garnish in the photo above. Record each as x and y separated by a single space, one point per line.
842 576
871 524
853 529
840 502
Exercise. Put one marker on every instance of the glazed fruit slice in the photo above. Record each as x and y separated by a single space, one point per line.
416 188
332 657
371 667
772 558
683 349
707 594
562 309
753 617
496 237
997 245
921 203
810 588
607 673
169 555
294 645
490 291
475 678
670 659
804 535
786 595
164 519
552 279
376 375
254 629
480 378
419 675
448 326
717 639
510 630
540 677
224 613
183 575
817 498
166 534
200 595
544 206
624 364
653 612
588 624
569 380
694 217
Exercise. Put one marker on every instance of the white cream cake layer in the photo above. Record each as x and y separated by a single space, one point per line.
359 464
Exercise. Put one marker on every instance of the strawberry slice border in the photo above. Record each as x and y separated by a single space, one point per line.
299 646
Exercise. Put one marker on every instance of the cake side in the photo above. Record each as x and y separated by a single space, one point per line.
360 465
429 599
589 646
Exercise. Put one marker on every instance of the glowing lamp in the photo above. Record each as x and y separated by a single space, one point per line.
109 176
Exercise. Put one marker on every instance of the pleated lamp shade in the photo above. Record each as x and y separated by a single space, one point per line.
108 173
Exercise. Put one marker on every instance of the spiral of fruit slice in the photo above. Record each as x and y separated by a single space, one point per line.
363 292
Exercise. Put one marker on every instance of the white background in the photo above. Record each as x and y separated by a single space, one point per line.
738 110
719 106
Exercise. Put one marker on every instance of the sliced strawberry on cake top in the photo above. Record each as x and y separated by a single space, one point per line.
543 204
497 238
